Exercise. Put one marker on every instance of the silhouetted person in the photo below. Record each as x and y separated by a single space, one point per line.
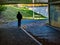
19 17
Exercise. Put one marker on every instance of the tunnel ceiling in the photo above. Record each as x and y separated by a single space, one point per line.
54 0
23 1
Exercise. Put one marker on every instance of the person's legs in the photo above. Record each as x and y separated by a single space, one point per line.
19 23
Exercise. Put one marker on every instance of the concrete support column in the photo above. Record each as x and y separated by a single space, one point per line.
33 8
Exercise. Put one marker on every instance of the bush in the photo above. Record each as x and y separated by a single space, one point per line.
2 8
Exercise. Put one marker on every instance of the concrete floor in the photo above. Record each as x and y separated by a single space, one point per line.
11 35
15 36
38 28
43 32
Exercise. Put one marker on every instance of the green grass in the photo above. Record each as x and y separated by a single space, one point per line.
10 13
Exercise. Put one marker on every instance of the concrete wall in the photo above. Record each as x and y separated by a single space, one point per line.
55 15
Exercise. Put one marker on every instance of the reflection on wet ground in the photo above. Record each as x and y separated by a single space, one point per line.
43 32
38 28
11 35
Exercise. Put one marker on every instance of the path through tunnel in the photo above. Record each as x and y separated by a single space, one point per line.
29 12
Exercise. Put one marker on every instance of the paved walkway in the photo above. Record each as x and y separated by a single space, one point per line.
11 35
44 33
38 28
14 36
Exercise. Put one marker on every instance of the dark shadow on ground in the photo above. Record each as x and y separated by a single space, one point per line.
15 36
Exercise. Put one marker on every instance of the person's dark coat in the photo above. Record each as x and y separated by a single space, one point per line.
19 16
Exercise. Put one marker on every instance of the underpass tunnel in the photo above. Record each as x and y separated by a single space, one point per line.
41 19
35 10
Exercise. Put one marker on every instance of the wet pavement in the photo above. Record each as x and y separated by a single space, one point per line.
38 28
14 23
43 32
11 35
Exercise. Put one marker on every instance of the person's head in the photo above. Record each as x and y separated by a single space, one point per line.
18 12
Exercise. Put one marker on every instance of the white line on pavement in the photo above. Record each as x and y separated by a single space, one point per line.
31 36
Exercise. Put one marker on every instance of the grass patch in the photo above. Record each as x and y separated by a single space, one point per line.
10 13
